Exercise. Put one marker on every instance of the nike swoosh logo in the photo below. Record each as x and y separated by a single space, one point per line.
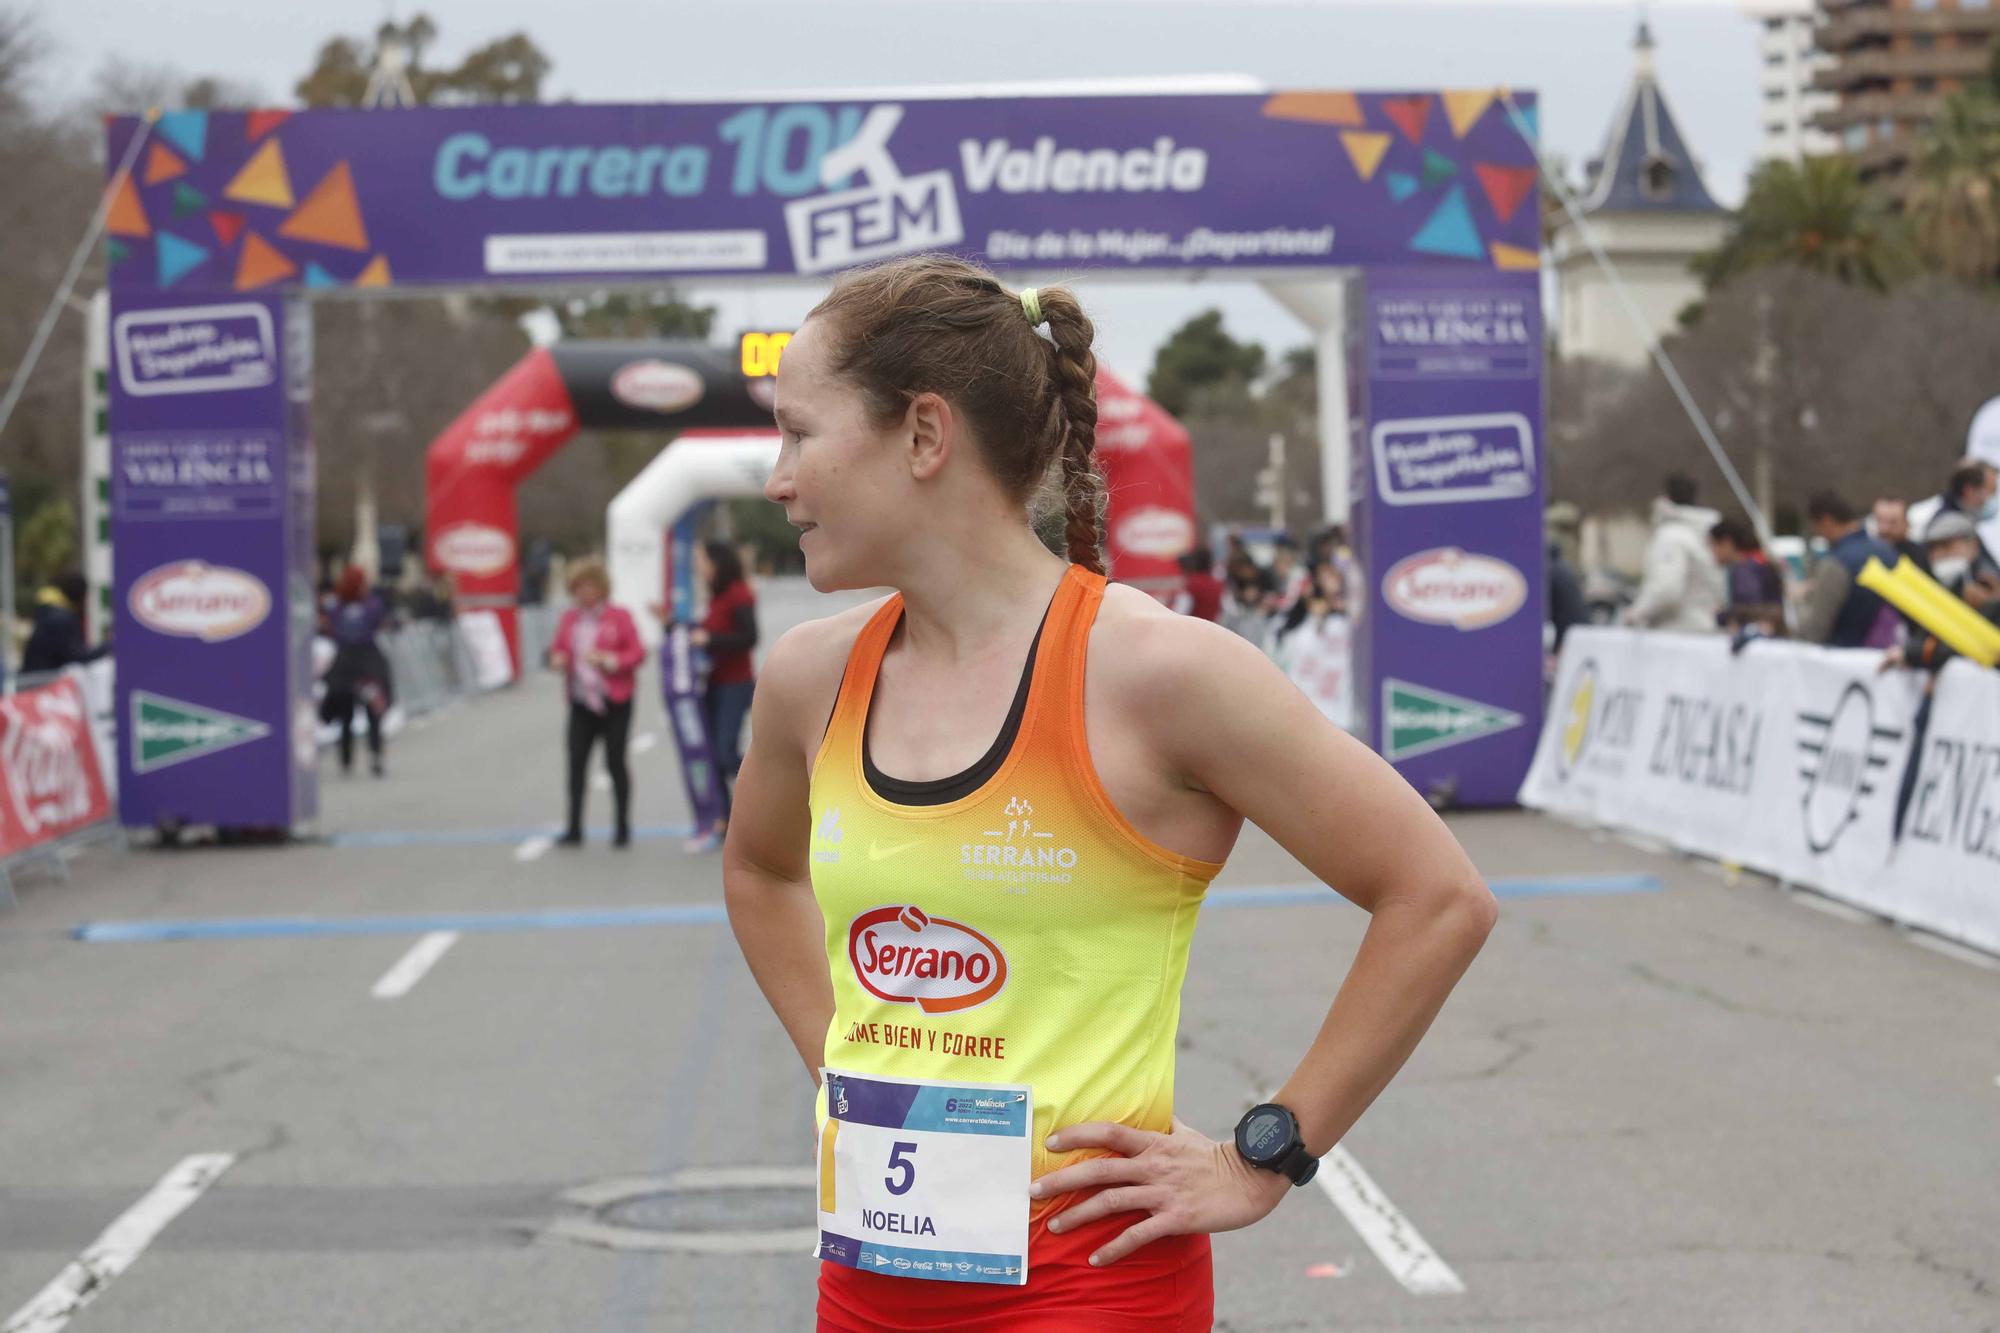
877 852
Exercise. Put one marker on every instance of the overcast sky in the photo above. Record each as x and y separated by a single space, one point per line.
1576 55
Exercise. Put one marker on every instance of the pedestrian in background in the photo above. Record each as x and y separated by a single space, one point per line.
57 639
1200 593
1755 589
728 633
359 674
597 648
1682 587
1838 611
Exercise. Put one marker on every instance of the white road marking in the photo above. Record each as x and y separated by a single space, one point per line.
532 848
410 968
1404 1252
645 741
86 1277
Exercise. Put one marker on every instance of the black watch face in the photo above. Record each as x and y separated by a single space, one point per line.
1265 1135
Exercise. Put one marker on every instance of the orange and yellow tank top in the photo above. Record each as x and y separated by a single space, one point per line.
1023 933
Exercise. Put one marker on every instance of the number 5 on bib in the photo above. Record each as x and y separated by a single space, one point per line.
925 1180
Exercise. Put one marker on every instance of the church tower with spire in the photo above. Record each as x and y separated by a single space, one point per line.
1647 208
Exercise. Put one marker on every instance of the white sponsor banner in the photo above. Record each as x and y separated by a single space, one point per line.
1806 763
1318 656
486 641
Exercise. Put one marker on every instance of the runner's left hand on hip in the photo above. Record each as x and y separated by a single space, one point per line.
1187 1181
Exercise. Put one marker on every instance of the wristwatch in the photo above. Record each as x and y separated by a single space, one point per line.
1268 1138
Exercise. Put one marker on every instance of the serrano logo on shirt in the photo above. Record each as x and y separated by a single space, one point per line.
906 957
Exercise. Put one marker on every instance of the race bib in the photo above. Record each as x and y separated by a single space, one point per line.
925 1180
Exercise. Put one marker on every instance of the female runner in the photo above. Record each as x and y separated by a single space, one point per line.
977 818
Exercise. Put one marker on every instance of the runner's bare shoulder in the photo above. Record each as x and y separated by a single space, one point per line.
800 677
1157 673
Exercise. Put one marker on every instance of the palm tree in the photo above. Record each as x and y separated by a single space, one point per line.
1956 202
1816 214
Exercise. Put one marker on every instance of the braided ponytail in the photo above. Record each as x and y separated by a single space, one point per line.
1073 424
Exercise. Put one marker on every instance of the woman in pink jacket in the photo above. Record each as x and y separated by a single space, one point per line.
597 649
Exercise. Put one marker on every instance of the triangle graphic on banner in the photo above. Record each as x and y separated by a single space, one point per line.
330 215
261 123
228 226
1316 108
127 216
188 200
376 274
259 264
162 165
1401 185
319 277
1450 230
185 130
263 179
176 257
115 251
1505 187
1514 258
1409 114
1530 122
1366 148
1464 108
167 731
1417 720
1437 168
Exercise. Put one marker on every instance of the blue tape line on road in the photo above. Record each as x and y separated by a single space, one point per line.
1288 895
274 927
705 914
482 837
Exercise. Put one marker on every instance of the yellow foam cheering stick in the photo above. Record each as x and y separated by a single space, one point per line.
1932 605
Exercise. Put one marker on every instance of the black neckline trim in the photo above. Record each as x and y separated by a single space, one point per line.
943 791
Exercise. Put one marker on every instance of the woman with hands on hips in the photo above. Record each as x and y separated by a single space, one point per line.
976 822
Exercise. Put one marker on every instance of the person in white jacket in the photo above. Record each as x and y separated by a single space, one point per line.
1683 588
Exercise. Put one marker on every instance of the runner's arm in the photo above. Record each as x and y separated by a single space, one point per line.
766 878
1350 819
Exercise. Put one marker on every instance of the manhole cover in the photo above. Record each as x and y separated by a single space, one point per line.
701 1210
749 1208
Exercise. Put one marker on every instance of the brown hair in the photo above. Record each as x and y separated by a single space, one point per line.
936 324
588 570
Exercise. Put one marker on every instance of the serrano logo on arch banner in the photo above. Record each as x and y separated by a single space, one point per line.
1163 533
906 957
474 548
657 386
192 600
1447 586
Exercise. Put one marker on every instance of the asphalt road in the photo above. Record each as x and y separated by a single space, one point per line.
1672 1102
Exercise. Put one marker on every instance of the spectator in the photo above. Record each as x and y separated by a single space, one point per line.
1952 544
729 633
1971 490
1566 604
1289 579
1682 588
57 639
1892 528
1838 611
597 649
1200 593
359 675
1756 590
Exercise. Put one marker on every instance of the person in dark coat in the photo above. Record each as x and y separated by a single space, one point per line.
57 640
359 676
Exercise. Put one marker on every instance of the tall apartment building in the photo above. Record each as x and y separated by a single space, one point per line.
1894 63
1790 56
